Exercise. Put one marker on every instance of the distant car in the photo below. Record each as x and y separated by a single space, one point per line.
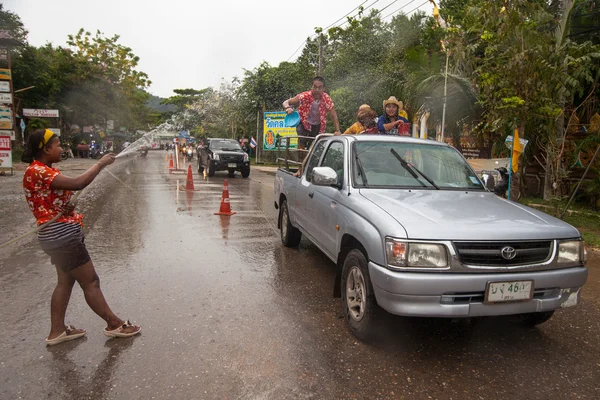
223 155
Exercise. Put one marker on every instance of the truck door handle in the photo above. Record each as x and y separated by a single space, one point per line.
311 194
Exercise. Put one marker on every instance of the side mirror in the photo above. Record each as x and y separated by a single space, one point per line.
324 176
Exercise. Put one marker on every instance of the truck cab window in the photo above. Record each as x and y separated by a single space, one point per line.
314 160
334 159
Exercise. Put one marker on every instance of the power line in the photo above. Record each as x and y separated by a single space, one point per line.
346 15
407 13
354 9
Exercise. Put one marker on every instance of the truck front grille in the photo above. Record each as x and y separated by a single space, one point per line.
232 158
490 253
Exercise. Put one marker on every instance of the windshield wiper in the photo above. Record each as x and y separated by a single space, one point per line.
361 170
411 169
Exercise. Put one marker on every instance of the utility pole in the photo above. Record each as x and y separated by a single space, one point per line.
320 68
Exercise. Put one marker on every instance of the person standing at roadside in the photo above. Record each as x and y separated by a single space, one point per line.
390 123
48 193
313 106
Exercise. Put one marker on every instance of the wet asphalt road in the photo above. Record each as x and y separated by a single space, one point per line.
229 313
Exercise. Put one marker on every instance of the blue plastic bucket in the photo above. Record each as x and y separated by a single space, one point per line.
292 120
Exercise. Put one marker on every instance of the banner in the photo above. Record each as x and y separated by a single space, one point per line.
5 74
39 113
4 87
5 152
274 129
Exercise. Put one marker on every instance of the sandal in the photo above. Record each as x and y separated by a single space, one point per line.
66 336
118 332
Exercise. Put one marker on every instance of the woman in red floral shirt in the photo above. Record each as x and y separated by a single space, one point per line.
48 192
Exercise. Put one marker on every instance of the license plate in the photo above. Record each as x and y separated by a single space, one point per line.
504 292
232 165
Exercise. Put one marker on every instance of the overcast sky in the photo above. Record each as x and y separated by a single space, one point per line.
194 44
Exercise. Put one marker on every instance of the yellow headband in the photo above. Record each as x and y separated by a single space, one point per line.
47 136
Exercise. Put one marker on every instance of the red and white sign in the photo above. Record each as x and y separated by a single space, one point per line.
5 152
39 113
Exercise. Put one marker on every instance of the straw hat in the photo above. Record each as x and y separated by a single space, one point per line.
393 100
365 110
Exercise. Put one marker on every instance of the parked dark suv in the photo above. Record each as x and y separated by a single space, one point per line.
223 155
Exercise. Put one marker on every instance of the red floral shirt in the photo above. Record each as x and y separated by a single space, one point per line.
306 100
45 202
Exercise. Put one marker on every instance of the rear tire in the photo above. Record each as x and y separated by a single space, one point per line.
358 298
231 173
533 319
290 236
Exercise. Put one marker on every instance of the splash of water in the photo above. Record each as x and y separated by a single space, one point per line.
147 139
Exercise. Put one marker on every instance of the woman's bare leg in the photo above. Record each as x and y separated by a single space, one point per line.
59 302
90 283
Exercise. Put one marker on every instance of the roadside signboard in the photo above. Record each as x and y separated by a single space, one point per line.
3 53
274 128
5 152
6 98
6 120
5 74
8 133
4 86
39 113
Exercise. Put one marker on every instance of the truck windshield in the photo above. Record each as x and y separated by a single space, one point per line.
224 145
442 166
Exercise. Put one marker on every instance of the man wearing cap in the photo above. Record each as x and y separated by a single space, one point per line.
313 106
394 115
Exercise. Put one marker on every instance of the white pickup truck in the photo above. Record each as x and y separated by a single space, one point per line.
413 231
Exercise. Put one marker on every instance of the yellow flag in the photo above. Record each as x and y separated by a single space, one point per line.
516 152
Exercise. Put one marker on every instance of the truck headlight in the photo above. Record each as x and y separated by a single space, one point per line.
571 251
246 157
415 255
216 157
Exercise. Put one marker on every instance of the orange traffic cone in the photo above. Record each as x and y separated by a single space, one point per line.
225 206
171 162
189 183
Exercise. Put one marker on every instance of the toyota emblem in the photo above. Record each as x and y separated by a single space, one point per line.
508 253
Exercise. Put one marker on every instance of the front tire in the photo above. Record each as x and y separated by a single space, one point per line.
290 236
358 299
245 173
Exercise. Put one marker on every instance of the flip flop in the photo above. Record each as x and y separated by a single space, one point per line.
118 332
65 337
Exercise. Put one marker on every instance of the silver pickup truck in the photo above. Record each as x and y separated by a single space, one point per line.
412 230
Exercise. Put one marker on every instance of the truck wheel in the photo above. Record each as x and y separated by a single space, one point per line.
211 170
358 299
231 173
245 173
533 319
290 236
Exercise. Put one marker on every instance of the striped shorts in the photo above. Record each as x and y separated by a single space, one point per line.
64 243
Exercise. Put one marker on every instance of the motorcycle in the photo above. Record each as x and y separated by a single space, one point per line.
189 154
501 187
143 151
96 153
